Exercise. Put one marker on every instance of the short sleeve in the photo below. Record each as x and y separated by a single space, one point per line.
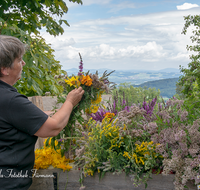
24 115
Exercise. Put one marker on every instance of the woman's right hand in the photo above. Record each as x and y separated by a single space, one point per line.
75 96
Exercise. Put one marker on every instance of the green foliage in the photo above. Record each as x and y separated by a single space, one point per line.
190 79
134 95
41 67
24 20
179 93
33 15
110 148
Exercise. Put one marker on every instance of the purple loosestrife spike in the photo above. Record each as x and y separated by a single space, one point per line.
124 102
114 105
98 116
126 108
149 107
80 66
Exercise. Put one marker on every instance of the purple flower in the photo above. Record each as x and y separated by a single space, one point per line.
99 115
80 66
149 107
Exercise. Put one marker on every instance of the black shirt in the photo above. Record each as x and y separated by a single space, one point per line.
20 119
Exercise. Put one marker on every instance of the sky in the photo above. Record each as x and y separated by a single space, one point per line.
125 34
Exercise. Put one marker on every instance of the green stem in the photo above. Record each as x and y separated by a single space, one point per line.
66 182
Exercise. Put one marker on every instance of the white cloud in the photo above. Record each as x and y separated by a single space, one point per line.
181 56
149 51
186 6
149 41
59 44
121 6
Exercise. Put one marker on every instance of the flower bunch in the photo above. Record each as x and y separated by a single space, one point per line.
94 86
47 156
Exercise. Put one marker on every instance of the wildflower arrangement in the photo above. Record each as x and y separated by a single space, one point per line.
94 86
107 147
48 156
136 139
162 138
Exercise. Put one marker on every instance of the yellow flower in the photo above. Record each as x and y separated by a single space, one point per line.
73 81
124 127
49 156
90 172
94 108
136 159
98 99
141 161
64 166
126 154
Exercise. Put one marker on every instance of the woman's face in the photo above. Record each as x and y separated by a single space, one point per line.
15 70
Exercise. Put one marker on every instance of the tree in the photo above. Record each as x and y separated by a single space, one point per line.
24 19
135 95
190 80
32 15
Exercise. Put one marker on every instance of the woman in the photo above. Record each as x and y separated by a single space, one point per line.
21 122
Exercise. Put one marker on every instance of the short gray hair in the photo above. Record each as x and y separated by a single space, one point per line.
10 49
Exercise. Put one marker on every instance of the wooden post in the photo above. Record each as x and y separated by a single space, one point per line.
37 100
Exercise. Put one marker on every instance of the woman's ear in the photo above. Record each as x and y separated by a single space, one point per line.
4 71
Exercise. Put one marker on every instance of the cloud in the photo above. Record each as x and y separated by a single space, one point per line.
149 51
59 44
121 6
148 41
186 6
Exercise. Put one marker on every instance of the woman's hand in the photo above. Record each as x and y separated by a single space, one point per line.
75 96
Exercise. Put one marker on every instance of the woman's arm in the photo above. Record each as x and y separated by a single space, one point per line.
53 125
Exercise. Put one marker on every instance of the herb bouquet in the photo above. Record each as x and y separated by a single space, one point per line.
94 87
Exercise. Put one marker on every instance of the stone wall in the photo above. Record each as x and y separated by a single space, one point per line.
70 180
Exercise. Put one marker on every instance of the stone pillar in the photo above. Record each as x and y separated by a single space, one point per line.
37 100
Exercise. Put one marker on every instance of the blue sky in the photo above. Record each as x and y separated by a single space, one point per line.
125 34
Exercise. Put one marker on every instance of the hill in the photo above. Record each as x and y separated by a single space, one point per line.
134 77
167 86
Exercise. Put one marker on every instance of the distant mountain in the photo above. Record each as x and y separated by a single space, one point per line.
167 70
133 77
167 86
